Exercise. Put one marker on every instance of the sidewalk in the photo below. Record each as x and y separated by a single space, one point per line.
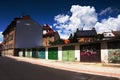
90 68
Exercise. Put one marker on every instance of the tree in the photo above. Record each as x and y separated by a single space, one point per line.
57 42
73 38
100 36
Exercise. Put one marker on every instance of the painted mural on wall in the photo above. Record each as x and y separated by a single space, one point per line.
90 53
114 52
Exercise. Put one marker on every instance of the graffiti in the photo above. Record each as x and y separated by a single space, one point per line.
90 53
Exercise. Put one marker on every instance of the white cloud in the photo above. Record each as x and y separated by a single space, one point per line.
108 24
81 17
1 37
61 18
85 17
107 10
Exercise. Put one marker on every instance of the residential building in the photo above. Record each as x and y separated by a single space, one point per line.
22 32
86 35
1 47
49 35
108 35
116 33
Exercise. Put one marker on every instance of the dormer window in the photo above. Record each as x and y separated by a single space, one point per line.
110 35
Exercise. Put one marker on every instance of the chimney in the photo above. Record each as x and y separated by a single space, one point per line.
25 17
93 28
77 29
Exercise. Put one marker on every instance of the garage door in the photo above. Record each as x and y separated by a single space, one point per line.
68 53
34 53
90 53
41 53
53 53
28 53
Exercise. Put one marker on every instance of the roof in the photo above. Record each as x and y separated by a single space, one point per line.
116 33
108 35
13 23
86 33
10 27
47 31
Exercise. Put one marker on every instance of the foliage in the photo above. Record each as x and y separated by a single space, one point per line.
114 56
57 42
73 38
100 36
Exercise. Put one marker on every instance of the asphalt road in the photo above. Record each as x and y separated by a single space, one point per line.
11 69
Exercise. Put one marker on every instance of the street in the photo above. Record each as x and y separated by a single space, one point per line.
11 69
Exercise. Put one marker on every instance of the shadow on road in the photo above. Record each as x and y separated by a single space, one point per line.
12 69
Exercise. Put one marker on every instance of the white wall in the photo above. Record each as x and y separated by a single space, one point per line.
59 53
77 53
20 53
46 53
104 52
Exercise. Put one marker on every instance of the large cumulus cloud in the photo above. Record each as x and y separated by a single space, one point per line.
84 17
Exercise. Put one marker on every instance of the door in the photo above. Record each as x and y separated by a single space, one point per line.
53 53
34 53
68 53
28 53
41 53
90 53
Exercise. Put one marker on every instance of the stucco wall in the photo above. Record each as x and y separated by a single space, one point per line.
104 52
28 34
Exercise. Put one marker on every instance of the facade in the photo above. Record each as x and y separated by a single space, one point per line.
1 47
22 33
100 51
108 35
86 35
49 35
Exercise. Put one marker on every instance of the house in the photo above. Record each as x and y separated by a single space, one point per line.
23 33
116 33
108 35
86 35
49 35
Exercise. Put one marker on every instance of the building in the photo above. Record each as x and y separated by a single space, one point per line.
86 35
1 47
116 33
22 33
108 35
49 35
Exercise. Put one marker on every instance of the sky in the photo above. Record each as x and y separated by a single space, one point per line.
64 16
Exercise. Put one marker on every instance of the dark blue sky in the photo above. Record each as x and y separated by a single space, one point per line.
44 11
